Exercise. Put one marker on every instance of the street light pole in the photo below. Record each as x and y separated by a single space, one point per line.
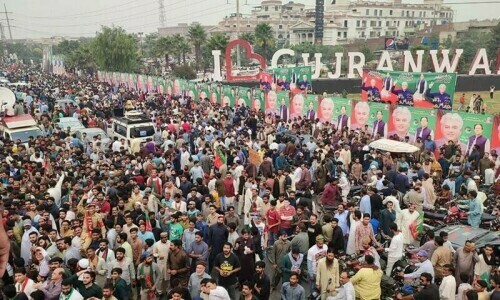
238 56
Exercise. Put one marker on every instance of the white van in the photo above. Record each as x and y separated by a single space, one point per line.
20 128
133 127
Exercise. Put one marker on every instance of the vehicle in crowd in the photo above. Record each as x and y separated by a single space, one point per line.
133 127
69 122
459 234
63 102
94 132
20 128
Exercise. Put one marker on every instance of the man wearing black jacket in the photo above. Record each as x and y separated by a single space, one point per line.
337 242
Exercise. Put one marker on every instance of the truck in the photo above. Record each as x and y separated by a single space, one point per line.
19 128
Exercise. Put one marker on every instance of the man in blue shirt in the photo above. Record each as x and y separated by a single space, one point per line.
143 234
474 214
364 204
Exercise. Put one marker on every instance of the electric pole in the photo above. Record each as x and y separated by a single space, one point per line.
161 8
238 55
8 22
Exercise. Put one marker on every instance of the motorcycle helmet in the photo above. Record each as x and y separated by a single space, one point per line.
407 289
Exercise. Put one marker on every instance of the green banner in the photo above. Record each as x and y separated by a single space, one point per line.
228 96
245 96
342 112
426 90
302 78
192 90
258 99
378 119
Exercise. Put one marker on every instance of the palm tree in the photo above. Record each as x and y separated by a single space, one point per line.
197 37
182 48
217 41
248 36
164 47
264 37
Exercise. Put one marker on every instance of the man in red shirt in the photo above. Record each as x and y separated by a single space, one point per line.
273 222
462 102
286 215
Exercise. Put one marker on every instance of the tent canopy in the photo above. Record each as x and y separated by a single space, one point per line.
393 146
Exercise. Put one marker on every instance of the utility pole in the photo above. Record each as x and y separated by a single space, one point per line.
161 8
238 56
8 22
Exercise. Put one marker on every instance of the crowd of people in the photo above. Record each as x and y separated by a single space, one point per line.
90 221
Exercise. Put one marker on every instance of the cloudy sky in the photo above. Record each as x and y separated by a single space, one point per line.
45 18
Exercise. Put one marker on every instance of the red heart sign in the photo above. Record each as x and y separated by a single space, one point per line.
249 54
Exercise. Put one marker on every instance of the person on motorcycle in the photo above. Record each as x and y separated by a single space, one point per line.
346 290
424 265
369 250
475 212
427 290
395 250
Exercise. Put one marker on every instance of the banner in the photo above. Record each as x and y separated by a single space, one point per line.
326 109
342 112
297 105
412 122
228 96
302 78
378 119
132 81
258 99
265 80
495 136
244 96
281 79
428 90
465 130
192 90
310 111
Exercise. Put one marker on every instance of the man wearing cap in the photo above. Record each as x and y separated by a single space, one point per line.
314 254
423 266
26 243
160 251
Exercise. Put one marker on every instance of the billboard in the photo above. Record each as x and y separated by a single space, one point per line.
342 112
412 122
428 90
465 130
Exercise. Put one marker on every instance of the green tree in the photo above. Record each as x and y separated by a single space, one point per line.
184 72
65 47
163 48
494 43
216 42
369 55
182 47
248 36
115 50
264 38
426 58
81 58
197 37
149 43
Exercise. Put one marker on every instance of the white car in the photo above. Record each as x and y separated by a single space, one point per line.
91 132
73 123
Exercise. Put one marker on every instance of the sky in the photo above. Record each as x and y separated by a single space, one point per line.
75 18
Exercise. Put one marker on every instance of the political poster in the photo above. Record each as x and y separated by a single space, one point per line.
192 90
413 122
258 99
310 111
297 104
465 130
141 83
281 79
132 81
378 119
150 84
283 105
162 88
342 112
123 79
326 109
228 94
422 124
180 87
265 80
360 114
495 136
244 96
426 90
301 78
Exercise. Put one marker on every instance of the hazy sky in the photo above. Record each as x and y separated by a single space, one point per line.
45 18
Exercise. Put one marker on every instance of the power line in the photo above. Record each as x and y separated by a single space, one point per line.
8 21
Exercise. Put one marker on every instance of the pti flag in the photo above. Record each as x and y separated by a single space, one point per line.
427 90
220 158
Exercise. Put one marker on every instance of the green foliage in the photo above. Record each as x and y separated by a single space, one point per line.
369 55
185 72
149 43
215 42
426 59
328 52
264 39
115 50
197 37
494 43
81 58
248 36
25 52
469 43
65 47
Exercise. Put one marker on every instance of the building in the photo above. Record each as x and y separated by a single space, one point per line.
181 28
344 20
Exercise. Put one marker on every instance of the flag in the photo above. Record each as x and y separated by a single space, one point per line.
220 158
148 223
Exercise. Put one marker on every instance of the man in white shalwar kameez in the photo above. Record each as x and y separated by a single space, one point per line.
25 241
253 203
160 252
406 220
351 242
